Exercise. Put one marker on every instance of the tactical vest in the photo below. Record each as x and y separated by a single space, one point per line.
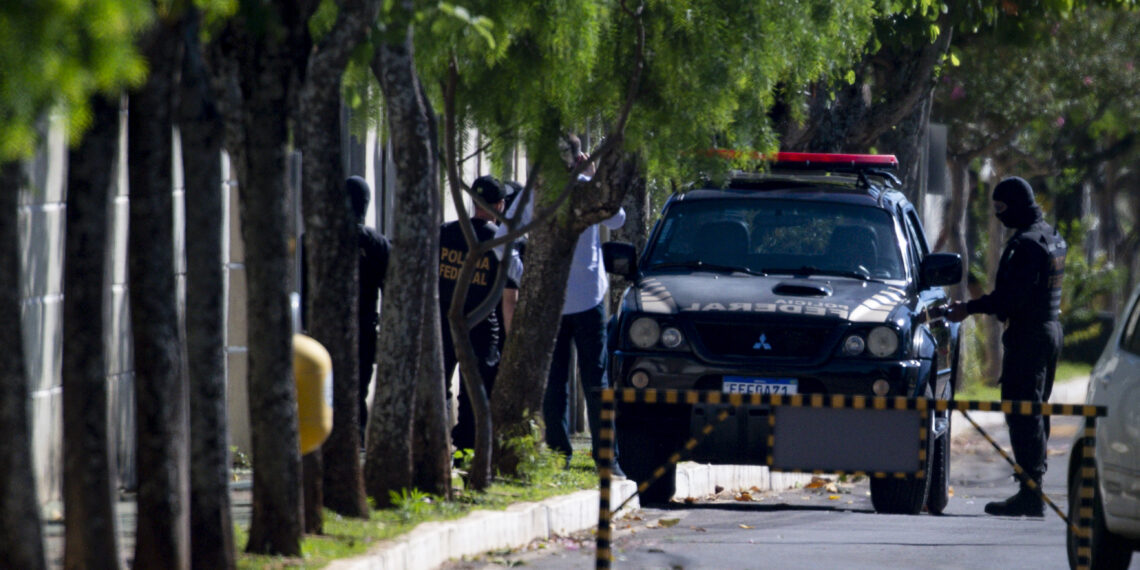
1045 294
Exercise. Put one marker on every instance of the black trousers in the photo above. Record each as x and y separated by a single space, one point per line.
1027 371
367 354
483 340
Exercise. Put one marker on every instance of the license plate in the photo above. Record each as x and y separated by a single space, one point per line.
754 385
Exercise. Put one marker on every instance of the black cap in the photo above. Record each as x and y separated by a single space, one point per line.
489 189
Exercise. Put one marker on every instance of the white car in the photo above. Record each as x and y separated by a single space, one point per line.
1115 383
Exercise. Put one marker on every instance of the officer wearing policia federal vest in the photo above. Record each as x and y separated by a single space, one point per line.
486 334
1027 295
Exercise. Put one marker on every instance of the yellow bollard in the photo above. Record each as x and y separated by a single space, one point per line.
312 368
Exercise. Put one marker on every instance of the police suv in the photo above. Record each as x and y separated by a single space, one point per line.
813 277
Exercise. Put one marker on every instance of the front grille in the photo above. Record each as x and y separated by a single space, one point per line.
752 340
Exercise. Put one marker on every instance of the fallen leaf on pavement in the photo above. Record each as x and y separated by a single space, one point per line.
746 527
816 482
666 523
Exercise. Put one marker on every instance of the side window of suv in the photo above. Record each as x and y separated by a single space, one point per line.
915 245
1130 339
917 238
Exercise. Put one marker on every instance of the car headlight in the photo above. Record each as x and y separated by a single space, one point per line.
671 337
853 345
644 332
882 342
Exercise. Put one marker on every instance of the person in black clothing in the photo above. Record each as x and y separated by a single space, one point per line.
1027 295
373 261
486 334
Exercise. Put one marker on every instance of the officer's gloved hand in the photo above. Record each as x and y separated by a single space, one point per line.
957 312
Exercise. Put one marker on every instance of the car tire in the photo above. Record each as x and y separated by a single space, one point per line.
1109 551
938 496
643 448
904 496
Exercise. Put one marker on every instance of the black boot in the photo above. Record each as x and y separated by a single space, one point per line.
1026 503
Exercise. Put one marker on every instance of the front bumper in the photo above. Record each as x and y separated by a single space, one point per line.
742 436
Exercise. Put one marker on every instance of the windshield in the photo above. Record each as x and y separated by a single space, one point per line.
779 237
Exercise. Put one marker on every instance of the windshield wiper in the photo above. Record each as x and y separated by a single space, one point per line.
808 270
705 266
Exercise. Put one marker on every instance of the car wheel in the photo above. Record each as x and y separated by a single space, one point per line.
939 494
904 496
1109 551
642 449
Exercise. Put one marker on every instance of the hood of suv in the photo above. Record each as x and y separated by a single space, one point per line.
821 296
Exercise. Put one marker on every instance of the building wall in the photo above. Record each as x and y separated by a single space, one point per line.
42 227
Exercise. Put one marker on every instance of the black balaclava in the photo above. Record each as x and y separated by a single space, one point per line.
1021 211
359 194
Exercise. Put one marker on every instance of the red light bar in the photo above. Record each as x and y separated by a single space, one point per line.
810 159
853 160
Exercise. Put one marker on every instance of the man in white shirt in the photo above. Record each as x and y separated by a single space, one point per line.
583 324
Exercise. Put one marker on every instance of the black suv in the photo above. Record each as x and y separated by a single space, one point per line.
814 277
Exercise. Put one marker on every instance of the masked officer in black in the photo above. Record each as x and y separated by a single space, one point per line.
373 263
485 336
1027 295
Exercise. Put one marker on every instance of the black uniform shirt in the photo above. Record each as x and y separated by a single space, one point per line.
374 249
1028 283
452 252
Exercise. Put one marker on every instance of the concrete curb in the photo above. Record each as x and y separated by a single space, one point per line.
429 545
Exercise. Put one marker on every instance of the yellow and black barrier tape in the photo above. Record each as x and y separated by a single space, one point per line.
858 402
1087 469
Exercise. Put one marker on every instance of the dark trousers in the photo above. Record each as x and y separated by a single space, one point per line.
1027 371
587 330
487 352
367 354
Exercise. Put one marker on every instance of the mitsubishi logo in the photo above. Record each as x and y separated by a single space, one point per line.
762 343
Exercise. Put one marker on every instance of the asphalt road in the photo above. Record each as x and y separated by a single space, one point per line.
833 526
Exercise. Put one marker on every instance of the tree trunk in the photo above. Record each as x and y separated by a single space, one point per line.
431 433
21 534
264 77
908 142
211 524
88 481
521 383
331 252
526 360
160 382
311 469
407 310
890 85
458 322
953 236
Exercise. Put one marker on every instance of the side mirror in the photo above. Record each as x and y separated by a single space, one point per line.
941 269
620 258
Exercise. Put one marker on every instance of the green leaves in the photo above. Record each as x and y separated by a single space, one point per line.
54 54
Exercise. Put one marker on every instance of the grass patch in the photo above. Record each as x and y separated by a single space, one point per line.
1072 370
344 537
1066 371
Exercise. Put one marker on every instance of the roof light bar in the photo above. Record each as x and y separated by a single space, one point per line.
821 160
807 159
